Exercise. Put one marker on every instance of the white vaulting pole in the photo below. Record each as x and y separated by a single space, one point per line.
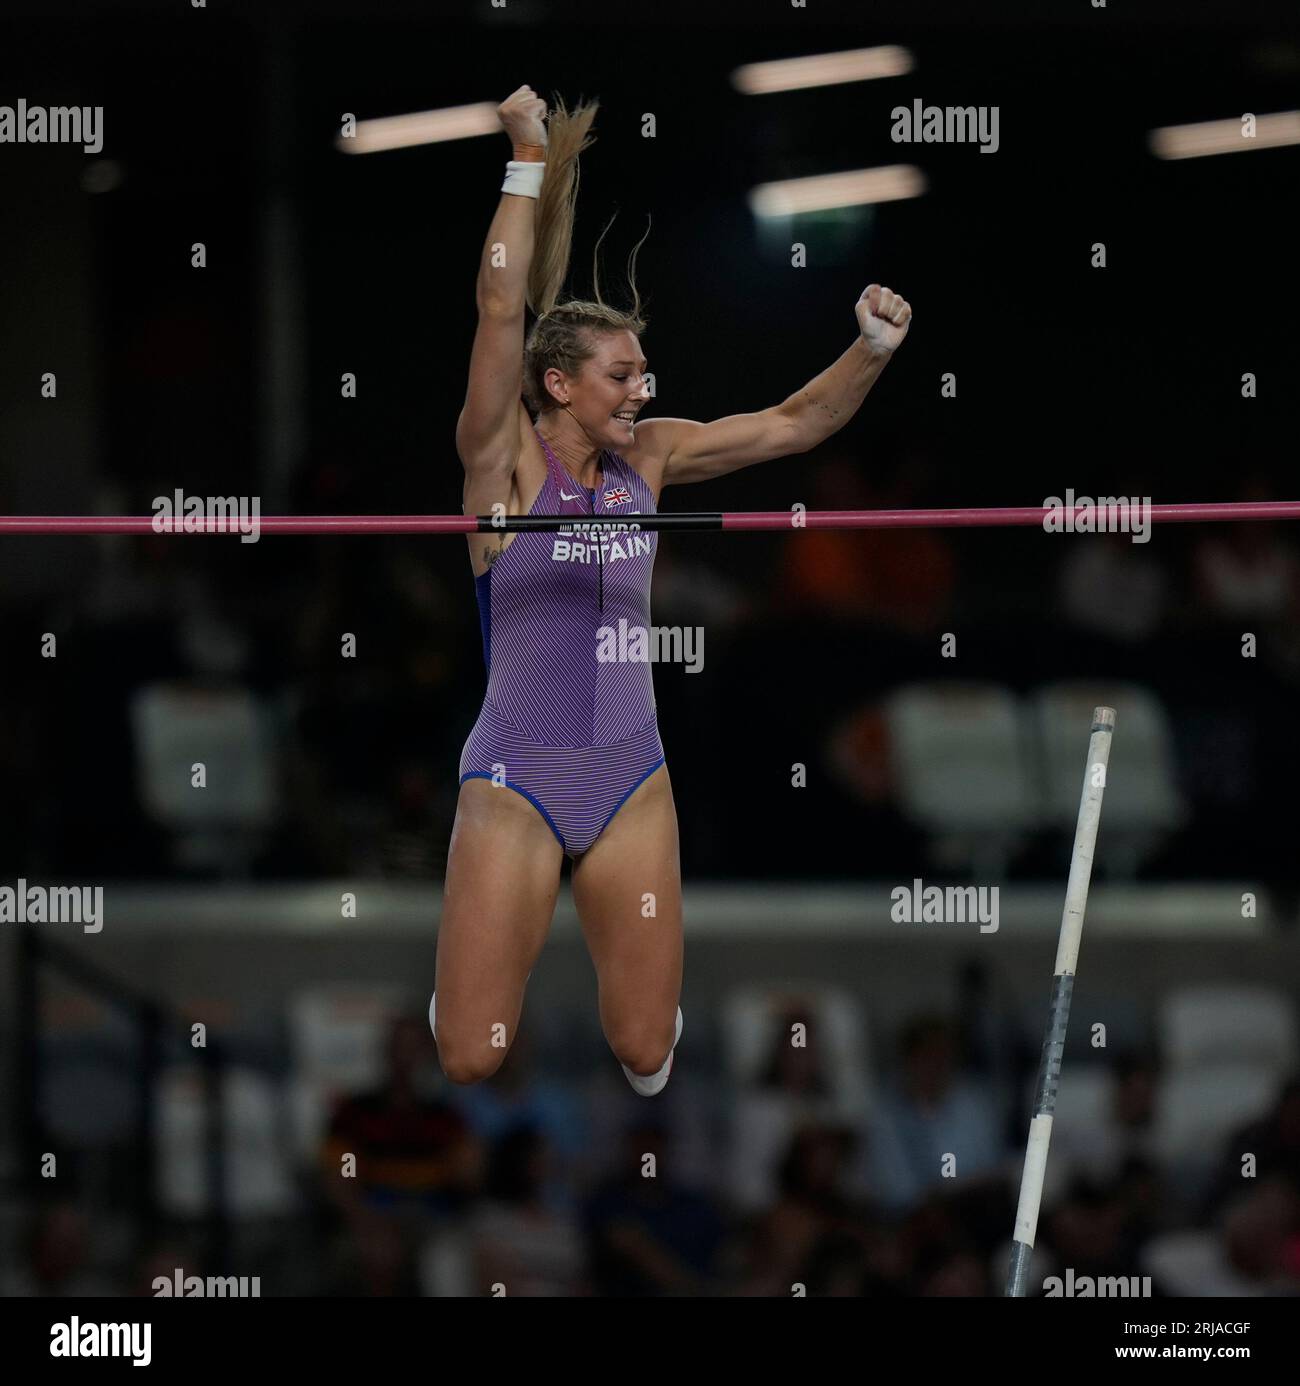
1067 957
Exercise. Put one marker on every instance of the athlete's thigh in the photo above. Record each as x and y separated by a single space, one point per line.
627 888
503 877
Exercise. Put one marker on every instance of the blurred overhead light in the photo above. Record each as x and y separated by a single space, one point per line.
423 127
1225 136
826 191
822 70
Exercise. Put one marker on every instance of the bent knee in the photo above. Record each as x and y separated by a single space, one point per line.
644 1050
469 1064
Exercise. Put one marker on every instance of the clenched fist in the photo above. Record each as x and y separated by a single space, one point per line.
883 316
523 114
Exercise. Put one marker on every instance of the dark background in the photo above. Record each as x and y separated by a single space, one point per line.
1122 381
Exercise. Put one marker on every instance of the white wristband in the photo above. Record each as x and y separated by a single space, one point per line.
523 178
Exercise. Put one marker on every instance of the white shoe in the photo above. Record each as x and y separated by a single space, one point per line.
653 1083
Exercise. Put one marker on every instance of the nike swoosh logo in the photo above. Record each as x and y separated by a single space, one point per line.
564 495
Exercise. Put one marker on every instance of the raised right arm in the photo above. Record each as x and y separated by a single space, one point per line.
487 432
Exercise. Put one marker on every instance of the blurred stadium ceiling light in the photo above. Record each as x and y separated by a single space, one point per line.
822 70
822 193
1225 136
422 127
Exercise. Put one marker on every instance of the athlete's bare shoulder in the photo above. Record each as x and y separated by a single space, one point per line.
652 442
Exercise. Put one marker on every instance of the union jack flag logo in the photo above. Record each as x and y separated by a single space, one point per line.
617 495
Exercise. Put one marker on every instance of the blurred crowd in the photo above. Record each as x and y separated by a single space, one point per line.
809 1176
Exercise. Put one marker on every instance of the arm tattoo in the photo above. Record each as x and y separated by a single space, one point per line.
821 404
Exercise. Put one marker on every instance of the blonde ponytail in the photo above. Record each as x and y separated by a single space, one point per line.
561 336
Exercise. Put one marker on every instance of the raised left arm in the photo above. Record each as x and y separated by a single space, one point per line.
694 451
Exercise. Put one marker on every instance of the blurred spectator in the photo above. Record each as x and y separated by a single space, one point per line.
648 1235
815 1232
899 578
928 1117
954 1274
1253 1251
1113 587
56 1259
1274 1141
688 591
837 1268
409 843
857 751
416 1161
517 1241
1090 1232
945 1242
1141 1188
1248 571
793 1090
516 1095
1100 1145
161 1259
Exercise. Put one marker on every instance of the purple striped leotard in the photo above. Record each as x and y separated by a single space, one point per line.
573 734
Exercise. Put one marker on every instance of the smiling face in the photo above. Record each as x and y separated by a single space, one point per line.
609 392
